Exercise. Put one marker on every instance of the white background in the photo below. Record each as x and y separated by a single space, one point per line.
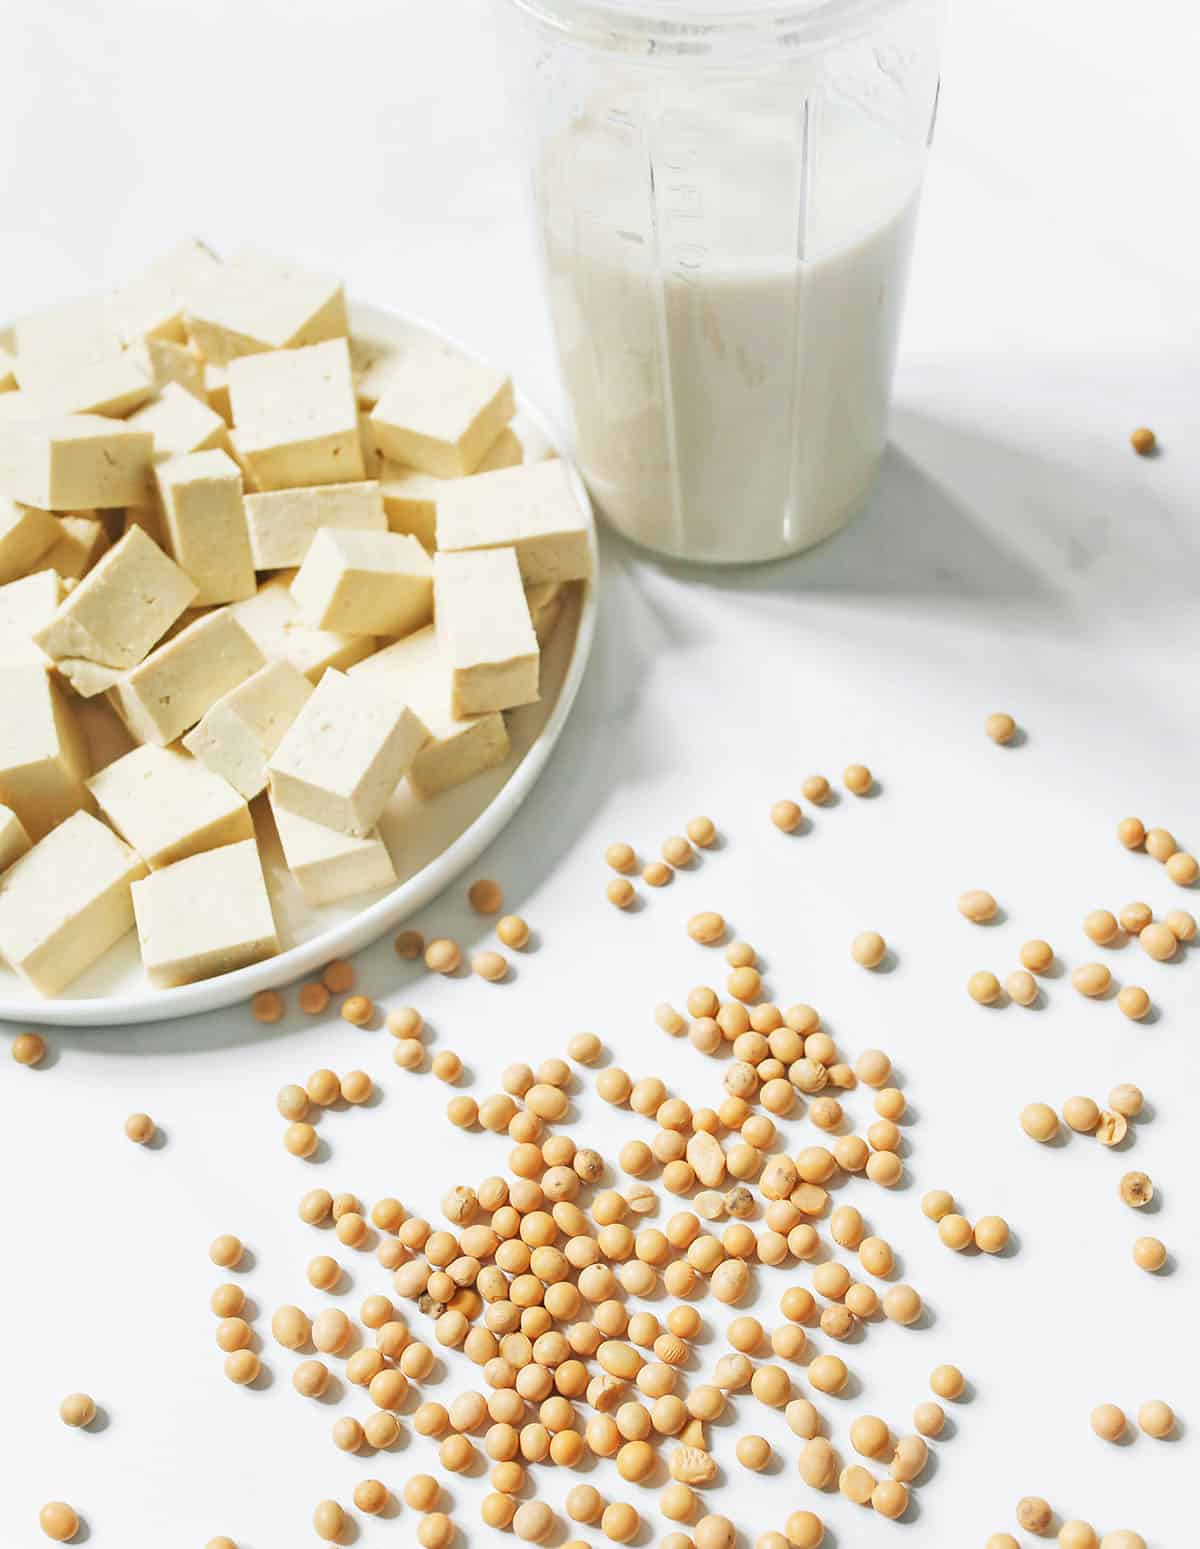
1017 556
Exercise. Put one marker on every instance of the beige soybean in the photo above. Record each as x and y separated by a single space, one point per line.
992 1234
1135 916
946 1382
242 1367
1081 1114
868 949
1112 1128
28 1049
1108 1422
1149 1254
909 1458
1132 833
513 932
1021 987
311 1378
1039 1121
1000 727
585 1048
818 1463
802 1418
701 831
1034 1514
977 905
706 927
890 1498
936 1204
828 1374
1101 926
1181 924
77 1409
869 1435
1093 979
1037 956
803 1530
1126 1099
435 1531
58 1521
984 987
786 816
1136 1189
1158 941
857 1483
955 1231
1156 1418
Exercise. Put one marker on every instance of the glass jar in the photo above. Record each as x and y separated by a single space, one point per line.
727 195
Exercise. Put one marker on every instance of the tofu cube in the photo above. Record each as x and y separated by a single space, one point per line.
70 361
410 501
43 755
344 755
205 522
416 673
81 542
165 362
168 806
25 607
295 416
239 733
121 608
534 510
26 533
205 915
284 522
374 357
545 608
75 461
410 497
180 423
329 865
57 340
272 618
115 387
253 303
216 390
375 583
484 631
164 695
151 305
440 413
505 451
14 841
88 679
65 902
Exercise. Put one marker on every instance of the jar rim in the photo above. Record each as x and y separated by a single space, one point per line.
691 27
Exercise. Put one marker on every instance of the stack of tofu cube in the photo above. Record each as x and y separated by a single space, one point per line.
297 567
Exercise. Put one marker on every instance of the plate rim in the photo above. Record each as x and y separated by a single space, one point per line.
367 926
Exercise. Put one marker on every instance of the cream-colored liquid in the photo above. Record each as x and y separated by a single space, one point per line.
729 373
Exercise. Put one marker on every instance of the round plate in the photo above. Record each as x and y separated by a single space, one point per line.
432 842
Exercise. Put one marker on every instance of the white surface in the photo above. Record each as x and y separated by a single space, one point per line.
1017 555
430 842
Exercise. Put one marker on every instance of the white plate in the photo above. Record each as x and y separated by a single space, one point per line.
432 842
